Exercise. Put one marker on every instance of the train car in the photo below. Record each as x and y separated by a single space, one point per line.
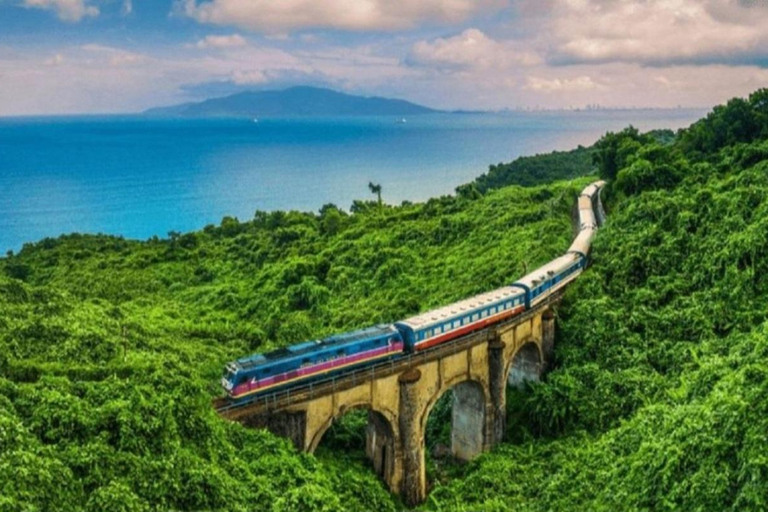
545 280
309 361
587 219
582 242
446 323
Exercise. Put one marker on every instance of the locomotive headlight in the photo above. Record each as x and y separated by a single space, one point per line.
227 385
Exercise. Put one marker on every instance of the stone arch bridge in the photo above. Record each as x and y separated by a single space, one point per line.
399 396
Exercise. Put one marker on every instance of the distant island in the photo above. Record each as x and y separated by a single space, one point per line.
293 102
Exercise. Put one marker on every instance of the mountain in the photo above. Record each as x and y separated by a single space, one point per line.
292 102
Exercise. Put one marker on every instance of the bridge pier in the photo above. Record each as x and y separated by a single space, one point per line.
468 421
414 482
547 337
380 449
498 390
290 425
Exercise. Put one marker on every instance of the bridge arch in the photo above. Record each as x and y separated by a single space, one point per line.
381 437
469 415
525 365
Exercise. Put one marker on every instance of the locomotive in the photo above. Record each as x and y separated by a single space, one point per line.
301 364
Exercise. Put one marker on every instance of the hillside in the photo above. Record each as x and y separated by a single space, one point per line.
292 102
111 349
660 398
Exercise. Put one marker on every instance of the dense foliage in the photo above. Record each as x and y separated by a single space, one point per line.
110 350
660 398
528 171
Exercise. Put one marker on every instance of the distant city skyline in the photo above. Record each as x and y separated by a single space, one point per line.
113 56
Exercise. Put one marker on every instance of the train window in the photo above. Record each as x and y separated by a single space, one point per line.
493 310
340 353
429 333
483 314
475 317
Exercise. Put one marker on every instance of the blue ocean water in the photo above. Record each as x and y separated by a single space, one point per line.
141 177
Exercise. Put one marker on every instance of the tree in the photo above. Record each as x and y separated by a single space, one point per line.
375 189
613 149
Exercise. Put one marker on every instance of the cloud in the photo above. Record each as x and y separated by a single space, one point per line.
580 83
469 50
286 15
56 60
650 32
116 57
233 41
127 8
66 10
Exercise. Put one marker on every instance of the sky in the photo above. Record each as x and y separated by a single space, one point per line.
110 56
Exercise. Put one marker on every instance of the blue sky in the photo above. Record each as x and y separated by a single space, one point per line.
100 56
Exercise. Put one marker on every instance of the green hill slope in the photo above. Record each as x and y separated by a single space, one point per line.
111 350
660 401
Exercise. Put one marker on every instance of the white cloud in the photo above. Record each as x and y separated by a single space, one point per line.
115 57
233 41
66 10
249 77
127 8
579 83
56 60
287 15
659 32
470 49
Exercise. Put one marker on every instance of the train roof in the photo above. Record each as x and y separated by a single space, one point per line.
532 279
592 188
582 242
433 316
376 331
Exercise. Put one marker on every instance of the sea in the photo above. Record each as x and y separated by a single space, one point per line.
140 177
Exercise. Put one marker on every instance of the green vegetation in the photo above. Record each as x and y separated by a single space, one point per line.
111 350
660 398
529 171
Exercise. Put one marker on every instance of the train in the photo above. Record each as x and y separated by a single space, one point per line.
298 365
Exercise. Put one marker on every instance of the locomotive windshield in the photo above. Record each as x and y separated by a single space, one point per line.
228 373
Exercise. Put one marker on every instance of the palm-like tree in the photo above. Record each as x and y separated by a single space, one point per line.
375 189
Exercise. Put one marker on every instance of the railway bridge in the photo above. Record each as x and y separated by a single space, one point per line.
399 396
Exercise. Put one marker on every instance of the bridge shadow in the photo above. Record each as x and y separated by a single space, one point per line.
525 366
